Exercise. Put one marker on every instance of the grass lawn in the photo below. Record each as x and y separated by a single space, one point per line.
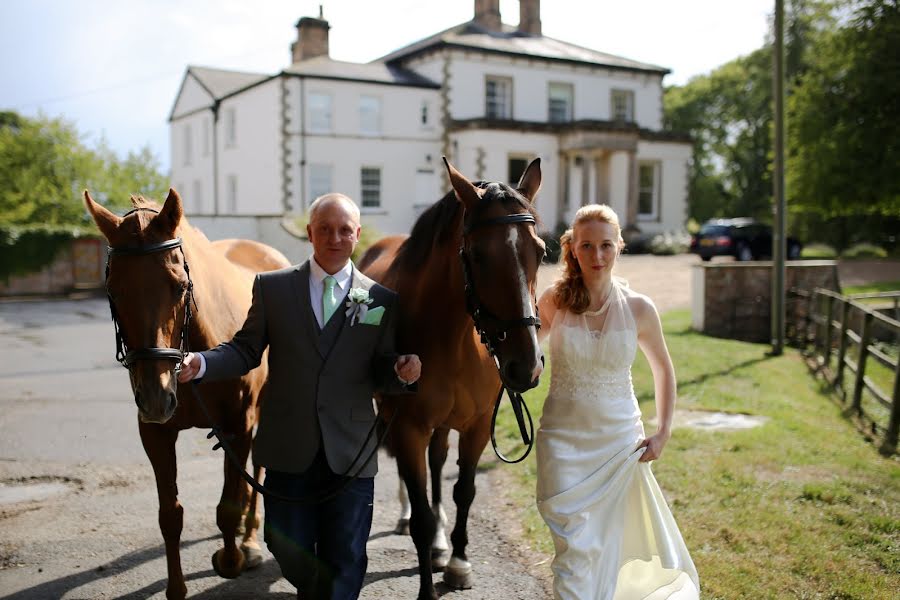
800 507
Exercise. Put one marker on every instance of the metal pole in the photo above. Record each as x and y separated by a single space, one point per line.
778 238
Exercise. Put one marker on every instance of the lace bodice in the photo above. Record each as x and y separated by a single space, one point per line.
591 353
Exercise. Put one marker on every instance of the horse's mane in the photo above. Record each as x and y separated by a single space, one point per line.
435 226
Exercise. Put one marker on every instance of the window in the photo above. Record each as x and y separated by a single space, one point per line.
648 190
498 98
369 115
206 137
197 199
319 112
517 166
319 180
232 191
230 128
622 105
370 184
188 145
560 102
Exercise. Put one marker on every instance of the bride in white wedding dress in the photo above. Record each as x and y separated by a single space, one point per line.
614 535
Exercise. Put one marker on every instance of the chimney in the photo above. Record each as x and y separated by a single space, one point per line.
530 17
487 14
312 38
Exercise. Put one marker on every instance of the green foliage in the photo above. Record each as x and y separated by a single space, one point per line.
551 242
668 243
844 119
864 250
818 251
368 235
45 166
26 249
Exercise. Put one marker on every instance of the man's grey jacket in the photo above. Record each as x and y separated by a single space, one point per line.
321 381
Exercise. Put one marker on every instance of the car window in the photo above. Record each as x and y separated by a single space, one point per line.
714 230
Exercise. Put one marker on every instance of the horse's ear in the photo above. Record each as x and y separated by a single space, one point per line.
465 191
170 215
106 221
530 183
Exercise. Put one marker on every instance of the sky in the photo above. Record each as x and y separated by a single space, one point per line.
113 67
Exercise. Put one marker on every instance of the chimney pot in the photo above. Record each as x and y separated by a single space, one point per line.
530 17
312 38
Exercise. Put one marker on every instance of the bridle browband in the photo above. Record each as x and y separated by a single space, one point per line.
125 356
493 330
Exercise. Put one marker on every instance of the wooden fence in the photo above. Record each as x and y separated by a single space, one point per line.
856 336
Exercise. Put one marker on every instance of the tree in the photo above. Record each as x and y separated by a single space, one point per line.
843 127
729 115
44 166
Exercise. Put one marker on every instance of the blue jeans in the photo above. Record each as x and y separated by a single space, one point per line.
321 547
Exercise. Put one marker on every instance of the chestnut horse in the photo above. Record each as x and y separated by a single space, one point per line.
170 288
491 227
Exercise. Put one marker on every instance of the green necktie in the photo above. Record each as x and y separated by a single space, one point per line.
329 303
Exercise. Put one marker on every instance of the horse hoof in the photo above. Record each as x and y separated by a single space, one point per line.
176 591
253 556
439 559
402 527
227 571
458 574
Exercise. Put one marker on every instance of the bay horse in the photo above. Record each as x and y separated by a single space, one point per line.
171 289
479 236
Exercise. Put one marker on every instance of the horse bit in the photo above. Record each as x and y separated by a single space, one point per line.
486 323
127 357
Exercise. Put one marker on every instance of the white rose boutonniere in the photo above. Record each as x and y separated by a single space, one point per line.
358 302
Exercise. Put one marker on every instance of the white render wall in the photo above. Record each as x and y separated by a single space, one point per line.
497 148
193 96
406 151
592 87
192 175
673 159
255 157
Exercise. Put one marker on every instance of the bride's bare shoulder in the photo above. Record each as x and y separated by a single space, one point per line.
640 304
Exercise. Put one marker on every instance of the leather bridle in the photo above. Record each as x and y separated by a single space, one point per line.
493 330
127 357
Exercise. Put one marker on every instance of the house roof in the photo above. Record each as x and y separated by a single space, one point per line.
220 83
510 41
374 72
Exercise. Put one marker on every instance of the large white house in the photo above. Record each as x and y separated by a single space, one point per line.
251 151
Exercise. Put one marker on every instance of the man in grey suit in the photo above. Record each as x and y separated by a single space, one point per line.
330 334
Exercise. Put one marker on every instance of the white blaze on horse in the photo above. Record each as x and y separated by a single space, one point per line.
481 237
171 289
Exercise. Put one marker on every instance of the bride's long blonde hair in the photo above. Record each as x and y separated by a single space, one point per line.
569 292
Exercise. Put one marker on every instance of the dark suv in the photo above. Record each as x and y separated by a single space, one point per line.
743 238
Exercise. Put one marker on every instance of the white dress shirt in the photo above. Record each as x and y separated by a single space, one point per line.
316 285
317 275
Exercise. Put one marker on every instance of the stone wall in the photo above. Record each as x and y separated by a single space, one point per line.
78 266
734 299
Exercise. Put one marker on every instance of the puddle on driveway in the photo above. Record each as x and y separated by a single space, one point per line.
717 421
27 492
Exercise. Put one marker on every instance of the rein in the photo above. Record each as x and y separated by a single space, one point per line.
493 330
127 358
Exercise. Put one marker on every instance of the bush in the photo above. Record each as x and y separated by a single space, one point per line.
864 250
670 243
818 250
27 249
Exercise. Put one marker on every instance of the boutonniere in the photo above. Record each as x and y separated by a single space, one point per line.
358 302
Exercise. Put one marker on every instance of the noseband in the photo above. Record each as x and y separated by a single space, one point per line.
124 355
493 329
